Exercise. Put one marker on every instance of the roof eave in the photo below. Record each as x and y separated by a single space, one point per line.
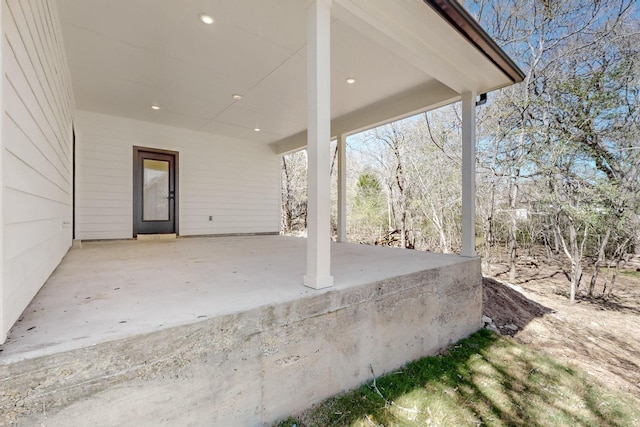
463 22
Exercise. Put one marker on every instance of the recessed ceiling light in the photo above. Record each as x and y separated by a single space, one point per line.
155 107
351 80
207 19
236 96
256 129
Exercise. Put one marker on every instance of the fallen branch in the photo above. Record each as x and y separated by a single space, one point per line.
374 386
371 421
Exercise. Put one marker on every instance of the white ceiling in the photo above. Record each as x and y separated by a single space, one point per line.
125 55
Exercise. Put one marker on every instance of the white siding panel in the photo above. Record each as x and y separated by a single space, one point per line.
24 177
22 35
87 198
24 113
97 168
25 272
4 317
26 208
36 153
21 147
23 234
21 66
233 181
105 219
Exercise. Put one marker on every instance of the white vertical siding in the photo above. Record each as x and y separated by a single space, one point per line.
36 154
234 181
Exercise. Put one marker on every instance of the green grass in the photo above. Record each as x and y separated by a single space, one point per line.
484 380
630 273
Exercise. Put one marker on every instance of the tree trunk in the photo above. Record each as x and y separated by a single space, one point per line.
576 270
556 242
390 209
400 183
512 249
636 240
513 230
547 234
574 253
575 264
489 222
616 259
598 264
486 248
286 202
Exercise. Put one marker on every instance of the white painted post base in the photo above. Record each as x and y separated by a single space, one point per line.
318 282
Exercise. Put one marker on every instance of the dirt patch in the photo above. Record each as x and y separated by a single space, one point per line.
506 305
601 336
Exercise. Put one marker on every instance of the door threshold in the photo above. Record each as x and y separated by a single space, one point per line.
168 236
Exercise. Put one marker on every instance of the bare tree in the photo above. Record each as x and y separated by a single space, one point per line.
294 192
580 92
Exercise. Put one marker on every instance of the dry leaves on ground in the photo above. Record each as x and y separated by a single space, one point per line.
600 336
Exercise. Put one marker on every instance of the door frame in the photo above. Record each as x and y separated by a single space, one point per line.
137 190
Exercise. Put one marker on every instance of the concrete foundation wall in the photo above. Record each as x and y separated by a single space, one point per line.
234 182
250 368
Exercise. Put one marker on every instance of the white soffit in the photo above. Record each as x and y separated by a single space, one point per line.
125 55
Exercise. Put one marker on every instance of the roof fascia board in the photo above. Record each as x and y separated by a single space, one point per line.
463 22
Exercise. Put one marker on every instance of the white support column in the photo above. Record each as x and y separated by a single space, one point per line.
318 149
342 188
468 174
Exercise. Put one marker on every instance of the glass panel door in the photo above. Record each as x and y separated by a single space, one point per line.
155 195
155 190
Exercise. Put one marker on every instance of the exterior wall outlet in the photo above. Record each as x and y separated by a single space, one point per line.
210 217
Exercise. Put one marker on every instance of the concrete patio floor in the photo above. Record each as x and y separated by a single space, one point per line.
111 290
220 330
